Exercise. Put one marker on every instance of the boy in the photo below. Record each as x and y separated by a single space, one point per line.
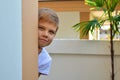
47 27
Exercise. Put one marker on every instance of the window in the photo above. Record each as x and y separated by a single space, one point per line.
104 32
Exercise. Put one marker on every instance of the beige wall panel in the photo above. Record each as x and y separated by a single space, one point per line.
29 38
67 20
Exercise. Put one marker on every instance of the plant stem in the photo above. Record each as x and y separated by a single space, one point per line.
111 41
112 53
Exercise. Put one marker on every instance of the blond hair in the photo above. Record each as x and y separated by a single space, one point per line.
48 15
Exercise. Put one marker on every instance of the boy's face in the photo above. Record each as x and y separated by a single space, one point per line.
46 33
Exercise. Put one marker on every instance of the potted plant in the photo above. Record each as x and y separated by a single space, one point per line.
108 7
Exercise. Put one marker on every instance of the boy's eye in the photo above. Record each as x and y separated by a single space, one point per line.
40 28
52 32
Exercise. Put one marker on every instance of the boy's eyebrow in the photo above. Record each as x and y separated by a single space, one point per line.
41 26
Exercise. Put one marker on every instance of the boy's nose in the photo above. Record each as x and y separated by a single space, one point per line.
46 34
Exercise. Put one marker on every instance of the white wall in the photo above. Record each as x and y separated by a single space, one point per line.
82 60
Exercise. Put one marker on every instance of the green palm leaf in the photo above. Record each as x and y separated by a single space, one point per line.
108 6
87 26
116 21
97 4
112 4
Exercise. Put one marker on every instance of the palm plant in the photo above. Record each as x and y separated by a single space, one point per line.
108 7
